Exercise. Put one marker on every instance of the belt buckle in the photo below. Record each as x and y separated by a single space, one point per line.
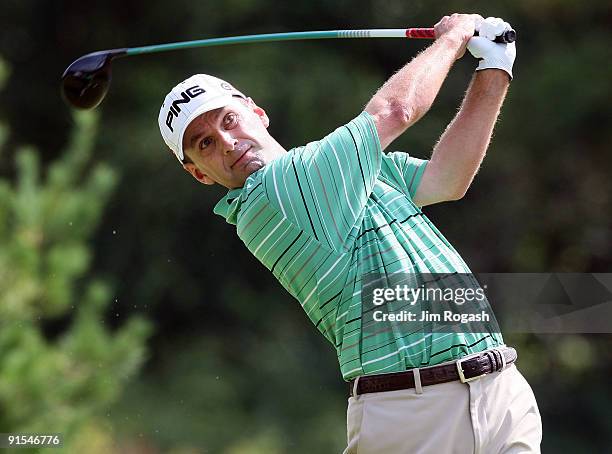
460 369
503 358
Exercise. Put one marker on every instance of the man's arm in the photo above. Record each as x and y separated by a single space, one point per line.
409 94
461 149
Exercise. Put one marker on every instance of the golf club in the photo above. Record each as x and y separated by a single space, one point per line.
86 81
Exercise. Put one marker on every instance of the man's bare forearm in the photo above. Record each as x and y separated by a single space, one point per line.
413 88
409 94
462 147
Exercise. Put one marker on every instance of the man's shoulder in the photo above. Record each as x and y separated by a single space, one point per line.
362 125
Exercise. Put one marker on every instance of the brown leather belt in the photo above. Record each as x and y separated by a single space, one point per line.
465 369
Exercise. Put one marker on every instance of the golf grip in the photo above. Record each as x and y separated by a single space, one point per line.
509 36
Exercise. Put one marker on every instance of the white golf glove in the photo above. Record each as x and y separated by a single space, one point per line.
491 54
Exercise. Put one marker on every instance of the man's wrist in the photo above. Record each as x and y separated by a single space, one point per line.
452 41
495 76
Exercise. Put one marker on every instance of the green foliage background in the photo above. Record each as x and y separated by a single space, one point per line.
133 320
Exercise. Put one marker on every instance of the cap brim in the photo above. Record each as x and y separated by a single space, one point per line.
216 103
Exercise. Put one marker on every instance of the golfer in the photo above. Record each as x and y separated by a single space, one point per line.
323 216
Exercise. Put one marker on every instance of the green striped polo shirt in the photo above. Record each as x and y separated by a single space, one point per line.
325 215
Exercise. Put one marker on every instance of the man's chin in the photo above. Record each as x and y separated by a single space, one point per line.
253 166
249 168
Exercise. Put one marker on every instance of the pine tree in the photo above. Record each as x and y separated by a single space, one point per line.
62 383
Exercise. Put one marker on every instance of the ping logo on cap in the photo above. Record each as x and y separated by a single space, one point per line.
186 96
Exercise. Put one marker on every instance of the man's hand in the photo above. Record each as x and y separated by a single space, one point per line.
492 55
458 27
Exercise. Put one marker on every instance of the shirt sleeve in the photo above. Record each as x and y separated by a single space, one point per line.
324 186
404 170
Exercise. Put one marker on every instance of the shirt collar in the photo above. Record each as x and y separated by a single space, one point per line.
229 206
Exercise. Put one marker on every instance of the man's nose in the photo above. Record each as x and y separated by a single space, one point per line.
228 143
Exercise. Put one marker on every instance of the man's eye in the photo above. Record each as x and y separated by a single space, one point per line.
205 142
230 120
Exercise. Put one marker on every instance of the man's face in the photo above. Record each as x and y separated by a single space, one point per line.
227 145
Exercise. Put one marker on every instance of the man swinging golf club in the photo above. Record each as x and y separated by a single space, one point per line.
322 216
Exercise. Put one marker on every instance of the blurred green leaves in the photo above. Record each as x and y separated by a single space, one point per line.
57 380
47 225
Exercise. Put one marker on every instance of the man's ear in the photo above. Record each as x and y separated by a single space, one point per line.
259 111
197 173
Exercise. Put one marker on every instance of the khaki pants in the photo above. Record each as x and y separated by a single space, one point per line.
494 414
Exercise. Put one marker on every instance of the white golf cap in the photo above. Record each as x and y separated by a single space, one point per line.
188 100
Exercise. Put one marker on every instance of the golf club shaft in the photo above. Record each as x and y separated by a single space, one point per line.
85 82
423 33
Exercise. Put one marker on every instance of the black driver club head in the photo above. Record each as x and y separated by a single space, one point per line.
86 81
